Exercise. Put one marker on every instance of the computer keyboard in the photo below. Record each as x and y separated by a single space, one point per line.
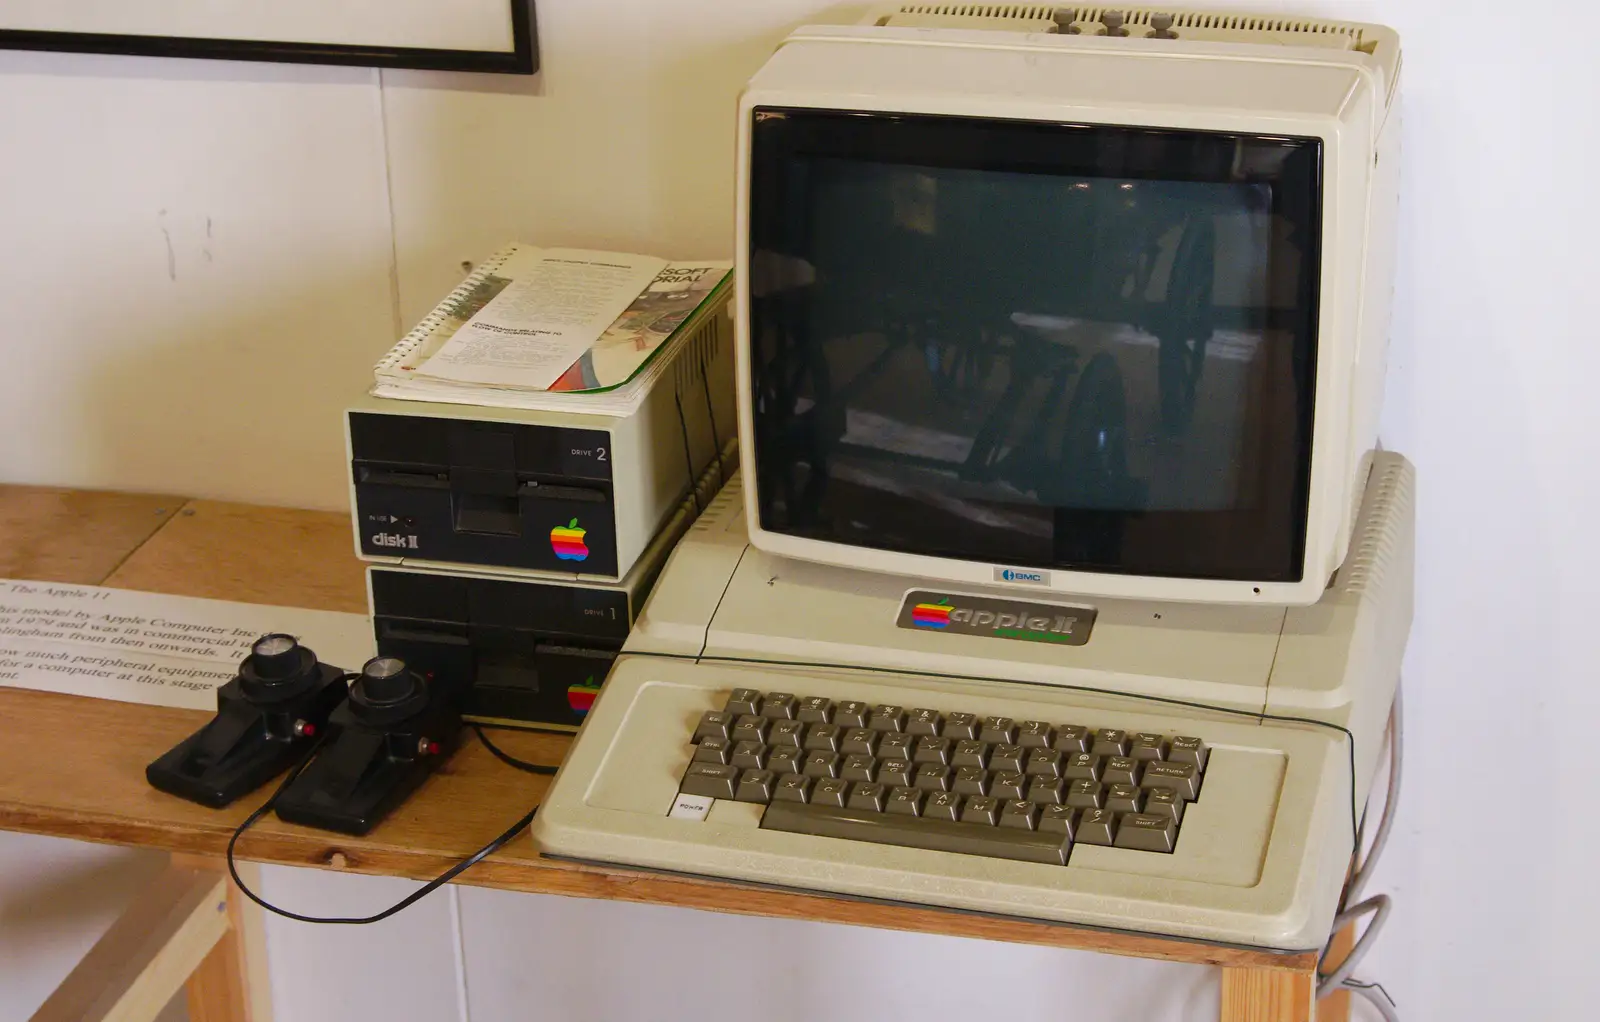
953 782
1013 799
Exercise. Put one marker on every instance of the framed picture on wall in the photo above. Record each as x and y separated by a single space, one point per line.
451 35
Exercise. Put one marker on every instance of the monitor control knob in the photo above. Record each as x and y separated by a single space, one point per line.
1113 21
1162 23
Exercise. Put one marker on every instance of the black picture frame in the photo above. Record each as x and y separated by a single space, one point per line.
522 59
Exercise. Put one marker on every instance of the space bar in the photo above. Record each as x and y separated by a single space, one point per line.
916 832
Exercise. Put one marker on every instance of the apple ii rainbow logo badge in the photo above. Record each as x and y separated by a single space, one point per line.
996 618
567 542
931 615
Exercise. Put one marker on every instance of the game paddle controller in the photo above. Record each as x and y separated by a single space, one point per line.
381 744
267 718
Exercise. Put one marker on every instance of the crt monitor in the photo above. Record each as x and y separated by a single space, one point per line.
1108 320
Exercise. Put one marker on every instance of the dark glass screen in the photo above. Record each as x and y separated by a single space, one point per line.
1054 346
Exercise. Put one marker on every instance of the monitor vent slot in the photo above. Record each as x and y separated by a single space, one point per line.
1391 494
1141 19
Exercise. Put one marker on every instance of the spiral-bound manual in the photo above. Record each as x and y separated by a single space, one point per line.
532 350
459 306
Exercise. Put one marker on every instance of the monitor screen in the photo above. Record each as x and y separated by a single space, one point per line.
1032 344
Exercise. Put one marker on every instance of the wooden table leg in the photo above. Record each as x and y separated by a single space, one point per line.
1267 995
230 985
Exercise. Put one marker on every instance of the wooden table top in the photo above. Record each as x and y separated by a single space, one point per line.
74 767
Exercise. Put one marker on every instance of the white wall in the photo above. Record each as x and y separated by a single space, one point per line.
324 188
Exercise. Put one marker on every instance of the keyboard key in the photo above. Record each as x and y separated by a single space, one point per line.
823 738
922 722
905 802
1164 802
942 805
756 786
1146 832
1147 746
786 761
1021 814
1082 766
1058 820
750 756
896 746
1007 757
1188 750
786 732
1086 794
960 726
1044 763
852 713
1047 791
1096 827
743 701
998 729
751 729
690 807
1124 798
1034 734
1180 777
713 750
971 780
821 764
887 718
938 835
858 741
1110 741
895 772
714 724
713 780
1071 738
859 768
932 750
778 706
829 792
868 796
981 809
1011 784
792 788
971 753
932 777
814 710
1120 770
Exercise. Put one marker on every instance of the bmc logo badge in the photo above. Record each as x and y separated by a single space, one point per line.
395 540
1029 621
1027 576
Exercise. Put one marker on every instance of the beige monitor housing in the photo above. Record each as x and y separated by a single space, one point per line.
1305 78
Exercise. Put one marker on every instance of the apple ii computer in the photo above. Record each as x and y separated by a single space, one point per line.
1064 577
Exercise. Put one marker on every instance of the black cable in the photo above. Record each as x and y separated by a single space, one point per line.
510 760
1350 738
711 417
688 455
406 902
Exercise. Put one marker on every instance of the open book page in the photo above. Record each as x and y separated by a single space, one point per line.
655 315
544 319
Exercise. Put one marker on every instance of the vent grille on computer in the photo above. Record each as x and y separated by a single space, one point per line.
720 513
702 348
1138 20
1391 494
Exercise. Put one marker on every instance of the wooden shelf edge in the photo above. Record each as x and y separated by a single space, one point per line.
543 876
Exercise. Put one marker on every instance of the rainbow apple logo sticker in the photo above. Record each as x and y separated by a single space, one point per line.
931 615
567 541
581 697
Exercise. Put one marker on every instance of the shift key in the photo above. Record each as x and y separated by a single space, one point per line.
713 780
